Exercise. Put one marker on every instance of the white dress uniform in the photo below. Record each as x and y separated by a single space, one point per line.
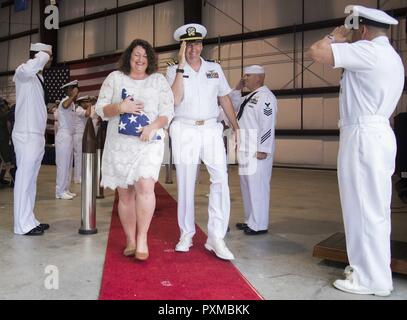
28 139
371 86
257 126
64 148
196 135
79 128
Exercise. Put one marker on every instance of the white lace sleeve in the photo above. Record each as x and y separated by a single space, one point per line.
166 104
105 95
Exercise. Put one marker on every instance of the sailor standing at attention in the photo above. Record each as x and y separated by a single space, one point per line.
257 114
371 86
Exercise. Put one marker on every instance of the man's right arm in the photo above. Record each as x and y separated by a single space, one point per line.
32 67
71 98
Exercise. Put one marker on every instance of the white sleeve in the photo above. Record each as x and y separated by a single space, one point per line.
236 97
166 103
266 117
80 112
224 88
358 56
171 75
29 69
105 95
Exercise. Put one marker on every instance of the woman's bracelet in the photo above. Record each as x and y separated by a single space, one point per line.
119 107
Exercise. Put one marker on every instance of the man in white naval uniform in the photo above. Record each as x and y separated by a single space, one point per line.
29 137
64 141
371 86
196 135
82 113
257 114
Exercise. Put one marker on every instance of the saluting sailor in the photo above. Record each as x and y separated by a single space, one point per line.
196 135
64 141
371 86
29 136
256 115
82 112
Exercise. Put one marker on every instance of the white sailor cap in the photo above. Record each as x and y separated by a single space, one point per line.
254 69
83 99
190 32
40 47
373 17
74 83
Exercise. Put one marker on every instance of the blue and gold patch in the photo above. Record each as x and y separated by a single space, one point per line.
268 111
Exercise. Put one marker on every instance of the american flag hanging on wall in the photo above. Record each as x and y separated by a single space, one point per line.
91 74
55 78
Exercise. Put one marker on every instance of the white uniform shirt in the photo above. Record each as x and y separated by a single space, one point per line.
31 111
80 119
201 90
66 117
260 114
366 85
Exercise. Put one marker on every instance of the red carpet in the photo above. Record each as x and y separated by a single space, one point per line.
169 275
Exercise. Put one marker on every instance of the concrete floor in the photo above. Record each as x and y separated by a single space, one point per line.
305 210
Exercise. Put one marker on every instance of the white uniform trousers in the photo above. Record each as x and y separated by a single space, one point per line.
77 154
190 144
366 161
29 149
255 188
63 160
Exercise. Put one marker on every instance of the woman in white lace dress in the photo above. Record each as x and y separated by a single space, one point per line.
132 163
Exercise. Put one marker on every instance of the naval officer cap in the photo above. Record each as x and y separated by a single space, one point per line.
190 32
373 17
40 47
83 99
254 69
74 83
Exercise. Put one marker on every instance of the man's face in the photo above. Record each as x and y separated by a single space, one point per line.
86 104
193 50
251 80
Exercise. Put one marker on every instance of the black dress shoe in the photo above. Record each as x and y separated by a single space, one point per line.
251 232
37 231
44 226
241 226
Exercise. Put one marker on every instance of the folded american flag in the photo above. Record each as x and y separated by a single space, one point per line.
132 124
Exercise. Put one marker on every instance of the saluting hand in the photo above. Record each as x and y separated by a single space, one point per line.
181 55
341 34
75 92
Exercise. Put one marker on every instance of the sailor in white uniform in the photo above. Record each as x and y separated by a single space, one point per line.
371 86
29 137
257 114
82 112
196 135
64 141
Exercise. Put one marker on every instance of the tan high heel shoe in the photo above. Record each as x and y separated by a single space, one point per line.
129 251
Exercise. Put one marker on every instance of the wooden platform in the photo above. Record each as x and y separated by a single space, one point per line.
334 249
